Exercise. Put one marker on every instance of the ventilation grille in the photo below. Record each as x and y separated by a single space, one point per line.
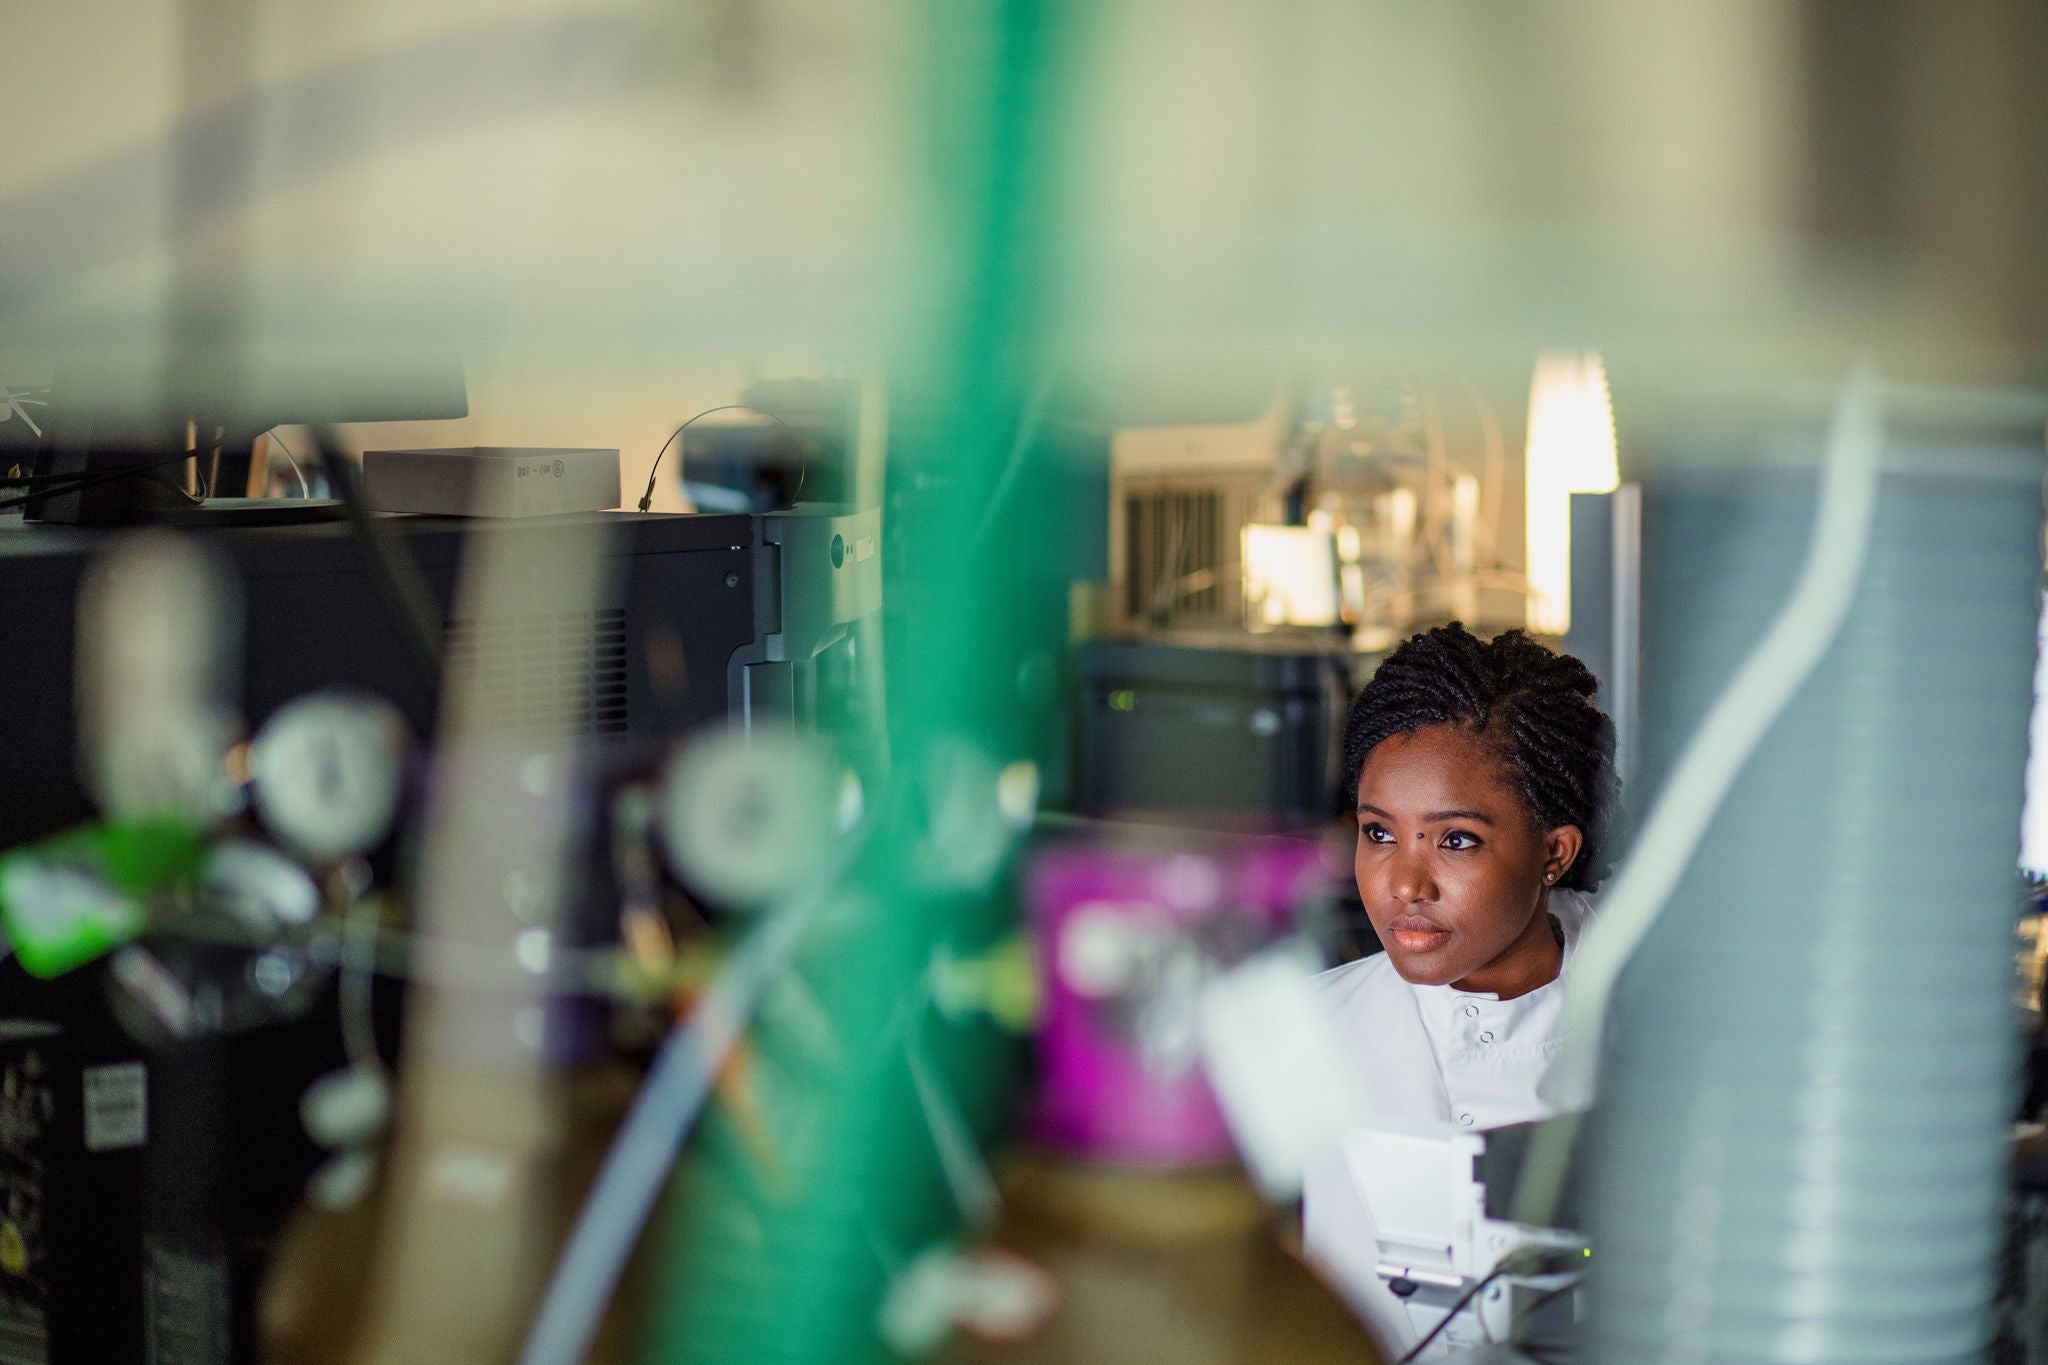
1172 543
525 671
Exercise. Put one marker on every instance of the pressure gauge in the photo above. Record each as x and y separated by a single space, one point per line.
260 889
748 818
327 770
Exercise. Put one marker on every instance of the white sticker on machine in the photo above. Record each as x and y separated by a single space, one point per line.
116 1107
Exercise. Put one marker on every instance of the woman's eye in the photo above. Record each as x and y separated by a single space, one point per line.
1376 834
1458 841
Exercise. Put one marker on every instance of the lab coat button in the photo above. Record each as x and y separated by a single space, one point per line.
1471 1011
1465 1119
1486 1037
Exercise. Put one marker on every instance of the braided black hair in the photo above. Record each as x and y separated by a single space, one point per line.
1532 706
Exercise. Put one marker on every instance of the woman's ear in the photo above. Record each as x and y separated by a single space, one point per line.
1560 850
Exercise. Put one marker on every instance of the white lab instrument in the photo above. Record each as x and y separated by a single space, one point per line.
1421 1231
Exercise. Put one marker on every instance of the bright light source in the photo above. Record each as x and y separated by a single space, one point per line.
1571 450
1290 575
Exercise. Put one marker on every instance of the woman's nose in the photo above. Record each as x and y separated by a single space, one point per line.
1412 881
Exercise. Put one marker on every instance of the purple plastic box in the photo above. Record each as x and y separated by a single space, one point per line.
1126 939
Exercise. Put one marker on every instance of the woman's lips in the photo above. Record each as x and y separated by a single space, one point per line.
1414 934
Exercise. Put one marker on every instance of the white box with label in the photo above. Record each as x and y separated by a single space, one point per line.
491 481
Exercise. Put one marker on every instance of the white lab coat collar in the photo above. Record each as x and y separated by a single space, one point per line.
1434 1058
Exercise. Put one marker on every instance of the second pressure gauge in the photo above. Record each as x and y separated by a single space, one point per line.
327 770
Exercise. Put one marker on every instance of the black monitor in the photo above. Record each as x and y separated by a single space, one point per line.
115 434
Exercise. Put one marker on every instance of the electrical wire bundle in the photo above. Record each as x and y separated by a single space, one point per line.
58 485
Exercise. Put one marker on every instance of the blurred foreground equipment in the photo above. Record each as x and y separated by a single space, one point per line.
708 616
1128 940
1800 1148
213 934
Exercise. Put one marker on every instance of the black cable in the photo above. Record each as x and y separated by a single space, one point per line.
77 482
92 475
654 469
30 480
394 575
1464 1301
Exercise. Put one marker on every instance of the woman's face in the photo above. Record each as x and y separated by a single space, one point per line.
1452 866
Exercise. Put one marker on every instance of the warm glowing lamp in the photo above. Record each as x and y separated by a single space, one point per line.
1571 450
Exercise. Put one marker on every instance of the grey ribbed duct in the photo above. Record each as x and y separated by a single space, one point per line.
1800 1147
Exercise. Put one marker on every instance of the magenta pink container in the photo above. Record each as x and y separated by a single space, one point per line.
1126 939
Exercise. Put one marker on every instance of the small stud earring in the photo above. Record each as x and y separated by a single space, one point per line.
1550 876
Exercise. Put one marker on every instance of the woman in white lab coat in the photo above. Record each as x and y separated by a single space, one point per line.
1483 773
